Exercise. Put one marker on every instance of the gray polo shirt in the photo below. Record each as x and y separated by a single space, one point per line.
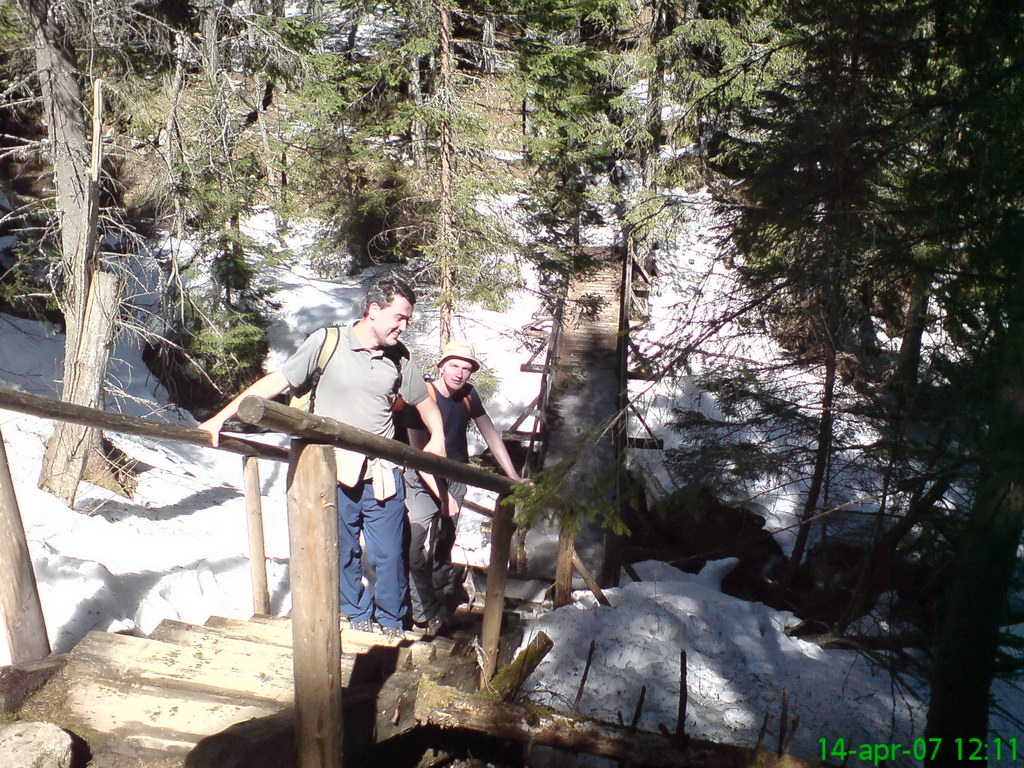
358 385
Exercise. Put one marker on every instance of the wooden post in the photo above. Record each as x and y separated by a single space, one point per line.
19 596
316 642
563 567
497 575
254 525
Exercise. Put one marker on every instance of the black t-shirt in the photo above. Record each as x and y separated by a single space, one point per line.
455 416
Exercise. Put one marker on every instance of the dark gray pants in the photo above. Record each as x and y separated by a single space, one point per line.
431 536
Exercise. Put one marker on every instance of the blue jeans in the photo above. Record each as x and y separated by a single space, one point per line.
382 524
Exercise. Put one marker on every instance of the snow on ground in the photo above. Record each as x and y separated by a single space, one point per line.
738 662
178 549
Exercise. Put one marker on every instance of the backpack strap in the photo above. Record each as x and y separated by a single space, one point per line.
327 349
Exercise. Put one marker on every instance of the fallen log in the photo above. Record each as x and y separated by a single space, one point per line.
448 708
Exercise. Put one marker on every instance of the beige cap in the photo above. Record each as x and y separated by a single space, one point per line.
461 349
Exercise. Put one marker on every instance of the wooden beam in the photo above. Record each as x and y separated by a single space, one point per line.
320 429
254 527
48 408
316 643
505 685
19 595
588 579
525 414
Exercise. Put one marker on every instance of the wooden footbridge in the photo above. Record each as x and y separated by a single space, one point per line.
583 413
204 695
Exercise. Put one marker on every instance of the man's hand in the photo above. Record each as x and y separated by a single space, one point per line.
213 425
435 445
270 386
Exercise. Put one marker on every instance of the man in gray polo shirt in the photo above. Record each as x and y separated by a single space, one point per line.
359 385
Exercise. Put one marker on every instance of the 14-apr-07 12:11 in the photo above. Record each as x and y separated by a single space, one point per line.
967 750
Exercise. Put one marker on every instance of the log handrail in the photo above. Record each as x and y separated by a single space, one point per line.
58 410
321 429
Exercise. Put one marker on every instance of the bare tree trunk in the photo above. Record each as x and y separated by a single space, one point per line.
446 249
821 459
904 377
977 606
174 156
210 41
90 296
273 161
417 130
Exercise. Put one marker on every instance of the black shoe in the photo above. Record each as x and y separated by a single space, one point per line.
434 626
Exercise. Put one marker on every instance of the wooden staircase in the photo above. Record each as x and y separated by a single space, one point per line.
157 698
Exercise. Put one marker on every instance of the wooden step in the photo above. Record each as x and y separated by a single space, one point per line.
154 695
279 630
226 666
263 632
187 683
349 635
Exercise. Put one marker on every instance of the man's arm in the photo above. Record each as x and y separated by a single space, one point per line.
417 439
431 416
271 385
493 439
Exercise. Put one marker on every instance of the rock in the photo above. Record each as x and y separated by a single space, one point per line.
35 745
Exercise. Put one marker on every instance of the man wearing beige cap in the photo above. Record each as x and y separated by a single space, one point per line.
433 504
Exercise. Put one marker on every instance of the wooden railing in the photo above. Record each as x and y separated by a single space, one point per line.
313 538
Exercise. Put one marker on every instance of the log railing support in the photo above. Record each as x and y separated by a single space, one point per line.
563 567
316 643
254 525
588 579
502 529
19 595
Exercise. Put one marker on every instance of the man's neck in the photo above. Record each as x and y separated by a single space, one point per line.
362 332
441 387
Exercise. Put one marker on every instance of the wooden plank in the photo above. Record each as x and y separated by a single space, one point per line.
235 668
196 636
152 716
278 630
259 631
